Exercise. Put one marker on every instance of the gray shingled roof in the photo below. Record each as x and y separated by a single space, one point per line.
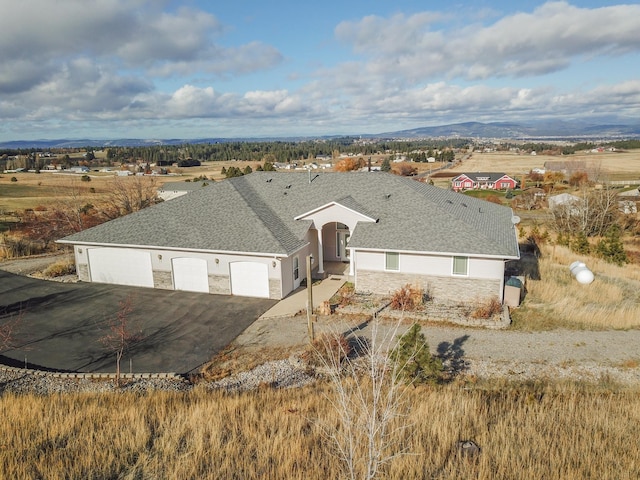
255 213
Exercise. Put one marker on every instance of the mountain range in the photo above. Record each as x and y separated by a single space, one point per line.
536 131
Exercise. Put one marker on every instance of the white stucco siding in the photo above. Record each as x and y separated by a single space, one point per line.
337 213
217 263
329 245
408 263
430 265
490 268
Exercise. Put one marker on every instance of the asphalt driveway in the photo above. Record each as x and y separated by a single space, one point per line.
58 326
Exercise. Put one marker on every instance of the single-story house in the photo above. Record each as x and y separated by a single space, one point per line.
484 181
251 236
172 190
563 199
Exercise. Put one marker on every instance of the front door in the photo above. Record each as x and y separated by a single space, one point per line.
342 252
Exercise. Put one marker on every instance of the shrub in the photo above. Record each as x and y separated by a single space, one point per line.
407 298
487 309
14 179
59 269
413 361
85 178
12 247
345 295
40 208
328 350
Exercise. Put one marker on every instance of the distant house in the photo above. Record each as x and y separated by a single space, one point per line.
483 181
563 199
80 169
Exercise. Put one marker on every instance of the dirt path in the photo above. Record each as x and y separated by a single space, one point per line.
30 265
557 353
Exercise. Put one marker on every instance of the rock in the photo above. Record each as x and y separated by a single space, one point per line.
468 449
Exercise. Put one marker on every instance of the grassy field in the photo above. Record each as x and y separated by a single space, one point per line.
555 299
612 165
553 431
32 189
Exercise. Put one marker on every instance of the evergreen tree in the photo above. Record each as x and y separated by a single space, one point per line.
413 359
386 165
580 244
610 248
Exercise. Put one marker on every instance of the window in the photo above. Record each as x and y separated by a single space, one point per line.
296 268
505 185
460 265
392 261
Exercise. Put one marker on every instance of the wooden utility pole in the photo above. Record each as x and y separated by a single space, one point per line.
310 301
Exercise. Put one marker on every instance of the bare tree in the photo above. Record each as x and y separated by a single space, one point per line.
122 334
130 194
368 397
592 214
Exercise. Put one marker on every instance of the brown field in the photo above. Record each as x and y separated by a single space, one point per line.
553 431
612 165
32 189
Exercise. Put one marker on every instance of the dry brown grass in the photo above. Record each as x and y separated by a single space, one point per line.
557 299
525 431
611 165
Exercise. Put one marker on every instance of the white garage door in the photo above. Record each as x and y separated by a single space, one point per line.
121 266
249 279
190 274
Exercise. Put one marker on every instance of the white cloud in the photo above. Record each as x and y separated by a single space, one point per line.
131 63
524 44
117 33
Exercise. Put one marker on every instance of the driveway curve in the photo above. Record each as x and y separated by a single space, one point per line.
59 326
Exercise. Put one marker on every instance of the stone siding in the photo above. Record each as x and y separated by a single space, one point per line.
219 284
162 279
439 289
83 272
275 292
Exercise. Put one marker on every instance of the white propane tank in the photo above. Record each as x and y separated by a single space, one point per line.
582 273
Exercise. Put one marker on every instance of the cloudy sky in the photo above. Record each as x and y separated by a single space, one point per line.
186 69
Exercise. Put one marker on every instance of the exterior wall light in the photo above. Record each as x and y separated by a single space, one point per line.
217 261
159 257
273 264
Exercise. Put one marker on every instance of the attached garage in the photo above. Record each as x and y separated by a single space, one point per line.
120 266
249 279
190 274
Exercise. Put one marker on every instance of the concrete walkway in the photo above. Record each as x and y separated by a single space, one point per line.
297 301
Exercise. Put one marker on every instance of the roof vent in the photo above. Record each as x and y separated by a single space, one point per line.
449 201
463 204
288 186
387 196
269 180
